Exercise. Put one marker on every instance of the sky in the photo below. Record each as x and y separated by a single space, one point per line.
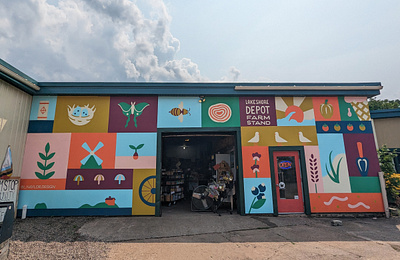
204 41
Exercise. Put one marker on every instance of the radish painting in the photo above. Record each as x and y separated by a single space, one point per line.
136 155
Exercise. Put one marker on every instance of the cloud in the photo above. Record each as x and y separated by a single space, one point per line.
233 75
92 40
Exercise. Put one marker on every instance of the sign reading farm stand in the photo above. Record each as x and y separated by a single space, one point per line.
257 111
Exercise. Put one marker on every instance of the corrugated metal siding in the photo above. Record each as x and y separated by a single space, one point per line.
15 107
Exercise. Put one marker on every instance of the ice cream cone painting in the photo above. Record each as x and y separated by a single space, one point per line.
294 111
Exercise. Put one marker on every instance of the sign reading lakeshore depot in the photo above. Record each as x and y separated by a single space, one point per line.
257 111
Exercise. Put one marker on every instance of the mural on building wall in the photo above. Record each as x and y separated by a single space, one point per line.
179 112
133 114
294 111
136 151
82 114
220 112
257 111
100 152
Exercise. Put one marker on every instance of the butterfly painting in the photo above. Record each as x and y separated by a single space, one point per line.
132 109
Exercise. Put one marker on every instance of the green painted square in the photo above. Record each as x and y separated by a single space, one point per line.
365 185
347 112
220 112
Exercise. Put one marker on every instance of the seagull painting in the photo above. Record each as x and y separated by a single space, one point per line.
255 139
279 139
303 139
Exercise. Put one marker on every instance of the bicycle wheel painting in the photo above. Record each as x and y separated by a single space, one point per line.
147 191
144 192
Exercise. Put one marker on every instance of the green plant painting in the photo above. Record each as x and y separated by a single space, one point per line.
335 172
46 165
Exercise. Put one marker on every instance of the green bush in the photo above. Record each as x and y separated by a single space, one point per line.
392 179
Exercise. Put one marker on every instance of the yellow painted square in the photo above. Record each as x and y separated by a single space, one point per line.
81 114
144 192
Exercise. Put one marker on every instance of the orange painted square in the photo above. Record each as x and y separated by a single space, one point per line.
36 184
332 102
248 161
106 153
346 202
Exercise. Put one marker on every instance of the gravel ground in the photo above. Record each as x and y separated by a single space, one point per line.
54 238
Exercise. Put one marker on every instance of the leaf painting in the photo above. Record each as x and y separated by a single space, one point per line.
333 173
132 109
45 165
314 171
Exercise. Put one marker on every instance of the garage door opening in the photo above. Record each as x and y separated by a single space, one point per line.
193 161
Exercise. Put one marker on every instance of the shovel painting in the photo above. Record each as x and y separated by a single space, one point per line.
132 109
362 162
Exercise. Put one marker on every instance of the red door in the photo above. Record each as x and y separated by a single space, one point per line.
288 182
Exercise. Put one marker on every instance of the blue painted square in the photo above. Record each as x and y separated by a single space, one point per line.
149 141
38 112
253 195
178 112
40 126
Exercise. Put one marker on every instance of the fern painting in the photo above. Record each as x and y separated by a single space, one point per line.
45 165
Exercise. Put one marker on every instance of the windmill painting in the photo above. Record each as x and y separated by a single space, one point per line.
92 161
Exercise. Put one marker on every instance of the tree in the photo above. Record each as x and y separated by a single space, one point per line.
386 157
375 104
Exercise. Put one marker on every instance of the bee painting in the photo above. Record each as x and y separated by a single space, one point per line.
180 112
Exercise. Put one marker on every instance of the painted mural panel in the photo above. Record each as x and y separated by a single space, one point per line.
294 111
179 112
41 118
133 114
75 199
362 158
220 112
365 185
314 170
346 202
92 151
81 114
136 151
43 108
354 109
99 179
344 127
333 163
257 111
144 192
326 108
256 162
45 161
279 136
258 196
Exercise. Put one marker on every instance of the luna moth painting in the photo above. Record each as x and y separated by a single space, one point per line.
132 109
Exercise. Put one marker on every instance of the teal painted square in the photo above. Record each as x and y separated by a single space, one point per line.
365 185
51 107
149 141
73 199
178 112
252 190
221 107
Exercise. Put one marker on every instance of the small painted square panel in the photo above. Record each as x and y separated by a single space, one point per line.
81 114
133 114
220 112
179 112
258 196
257 111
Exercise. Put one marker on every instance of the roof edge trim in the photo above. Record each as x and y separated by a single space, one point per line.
18 78
294 87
